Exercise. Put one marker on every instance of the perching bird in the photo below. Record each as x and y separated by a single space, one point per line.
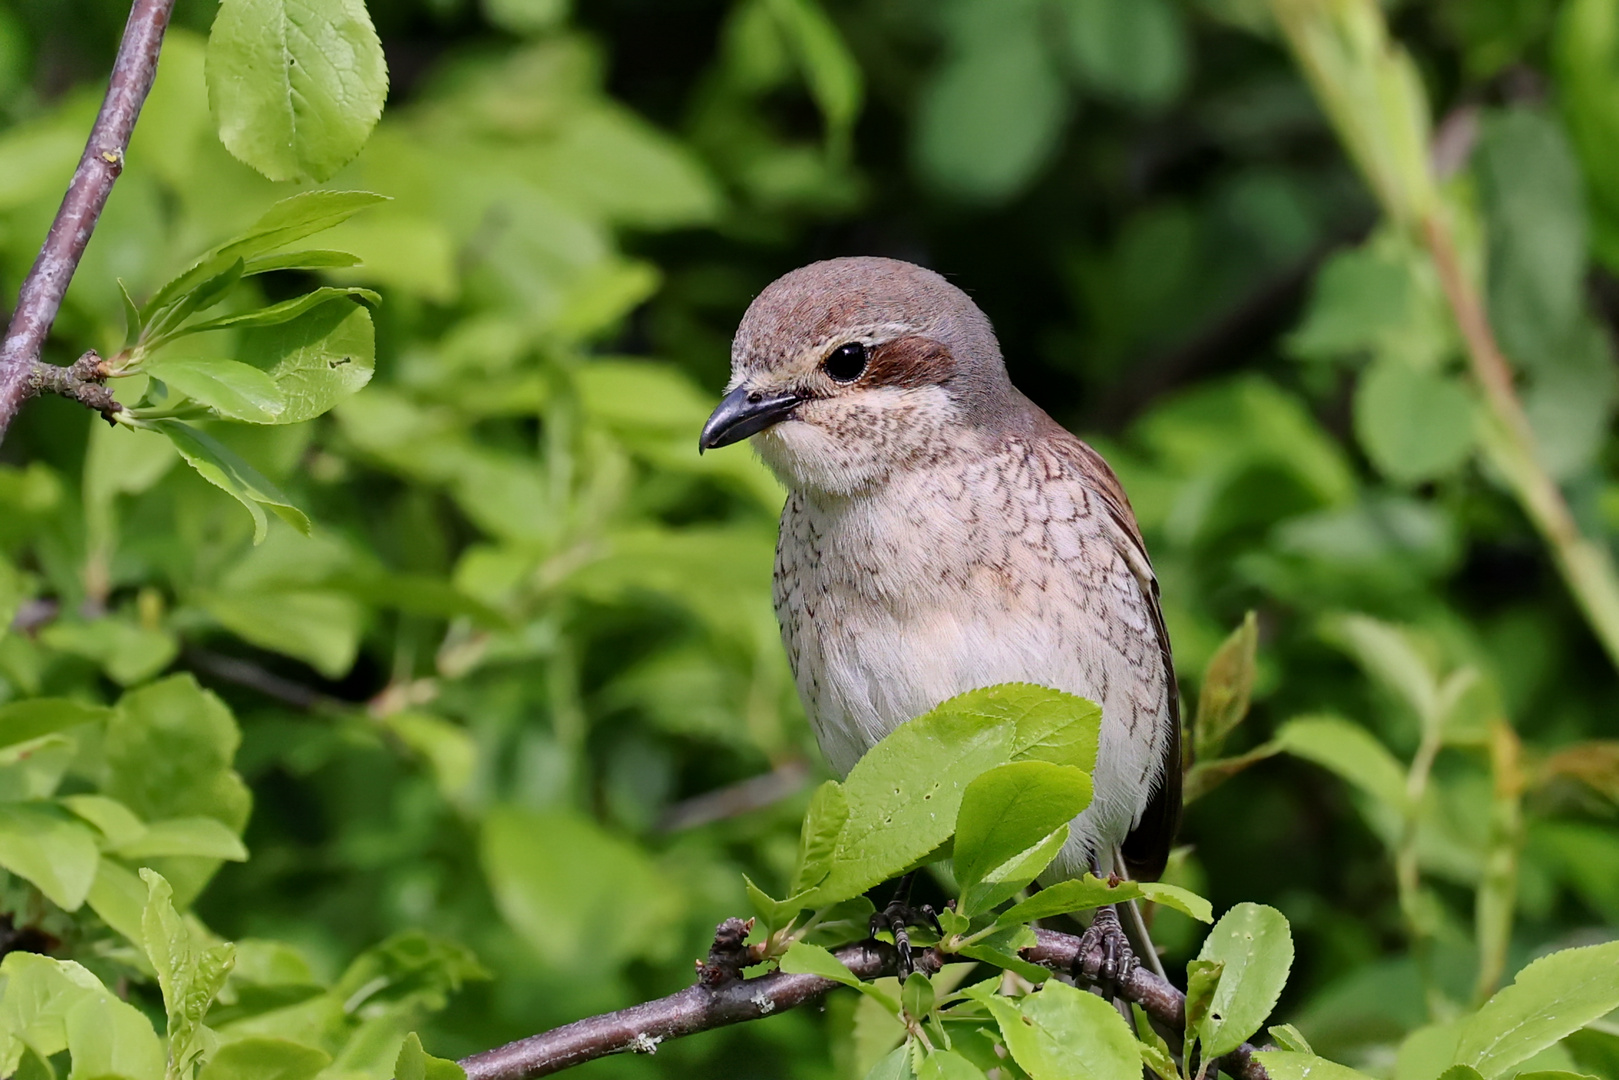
942 533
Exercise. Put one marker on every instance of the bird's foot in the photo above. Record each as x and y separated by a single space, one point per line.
897 918
1105 958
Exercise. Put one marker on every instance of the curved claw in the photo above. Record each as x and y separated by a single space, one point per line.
1105 957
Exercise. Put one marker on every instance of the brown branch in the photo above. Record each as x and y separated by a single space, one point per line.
722 998
22 373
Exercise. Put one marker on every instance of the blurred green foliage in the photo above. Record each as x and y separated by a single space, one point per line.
479 731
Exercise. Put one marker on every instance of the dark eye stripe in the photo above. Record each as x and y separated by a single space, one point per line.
909 362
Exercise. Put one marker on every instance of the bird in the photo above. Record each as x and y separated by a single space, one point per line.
942 533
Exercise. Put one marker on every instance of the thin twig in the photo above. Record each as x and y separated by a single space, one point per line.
722 1000
734 800
40 297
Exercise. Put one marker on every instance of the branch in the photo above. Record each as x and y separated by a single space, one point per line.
722 998
22 373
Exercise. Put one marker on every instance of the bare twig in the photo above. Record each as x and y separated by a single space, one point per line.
22 373
721 999
734 800
246 673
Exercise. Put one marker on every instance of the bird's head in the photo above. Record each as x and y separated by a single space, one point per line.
847 370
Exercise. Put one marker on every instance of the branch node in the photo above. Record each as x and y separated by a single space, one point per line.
728 955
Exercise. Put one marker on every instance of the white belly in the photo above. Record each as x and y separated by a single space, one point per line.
885 615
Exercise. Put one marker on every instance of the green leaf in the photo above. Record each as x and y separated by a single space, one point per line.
916 995
317 359
830 70
1350 751
558 878
1289 1037
168 753
263 1058
296 85
54 851
1534 208
1293 1065
992 114
21 721
1255 947
220 466
1202 980
817 840
285 311
119 897
774 913
1155 1052
1552 997
414 1063
1003 949
1415 424
319 627
1009 809
1050 725
1012 876
802 958
1130 49
128 652
116 822
895 1065
189 972
202 836
1182 900
1228 685
948 1065
903 797
232 389
1066 897
1059 1032
1585 56
55 1005
311 259
292 218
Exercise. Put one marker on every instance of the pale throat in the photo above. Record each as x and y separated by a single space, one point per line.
850 446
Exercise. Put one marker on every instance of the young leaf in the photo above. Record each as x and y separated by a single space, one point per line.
312 259
1182 900
1550 998
117 823
1289 1037
1066 897
234 390
46 846
1059 1032
285 311
895 1065
1228 684
296 85
823 823
414 1063
1293 1065
774 913
21 721
263 1058
317 359
802 958
903 796
1003 948
1050 725
917 995
221 467
1255 947
204 837
292 218
1010 808
1007 879
1202 980
189 973
948 1065
1350 751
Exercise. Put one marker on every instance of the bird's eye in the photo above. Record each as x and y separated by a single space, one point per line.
846 363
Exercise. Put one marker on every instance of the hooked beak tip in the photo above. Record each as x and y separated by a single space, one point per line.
744 412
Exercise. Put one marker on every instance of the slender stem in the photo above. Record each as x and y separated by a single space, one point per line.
1586 565
40 297
723 998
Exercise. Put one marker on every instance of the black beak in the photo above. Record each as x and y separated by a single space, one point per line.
744 412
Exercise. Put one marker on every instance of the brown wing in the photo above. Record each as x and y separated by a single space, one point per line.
1146 849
